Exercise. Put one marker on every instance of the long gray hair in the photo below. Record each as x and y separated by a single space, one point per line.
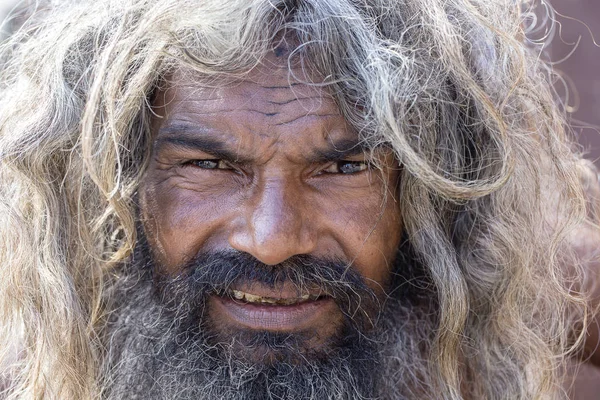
489 185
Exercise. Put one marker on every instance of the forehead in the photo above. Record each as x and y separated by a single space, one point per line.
272 101
273 79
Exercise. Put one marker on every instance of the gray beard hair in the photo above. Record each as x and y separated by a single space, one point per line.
152 355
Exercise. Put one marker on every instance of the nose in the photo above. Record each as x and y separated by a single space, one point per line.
274 224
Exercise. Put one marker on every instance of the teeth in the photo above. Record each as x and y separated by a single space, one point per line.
238 295
251 298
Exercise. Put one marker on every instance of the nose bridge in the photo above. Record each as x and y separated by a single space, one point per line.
275 225
276 212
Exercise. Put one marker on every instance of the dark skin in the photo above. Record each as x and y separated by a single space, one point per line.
269 167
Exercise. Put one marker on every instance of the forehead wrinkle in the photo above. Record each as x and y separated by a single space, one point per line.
269 106
277 90
294 110
307 99
284 100
302 118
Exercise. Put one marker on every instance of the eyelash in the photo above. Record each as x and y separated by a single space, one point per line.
216 164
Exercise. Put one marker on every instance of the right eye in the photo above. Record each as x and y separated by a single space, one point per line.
209 164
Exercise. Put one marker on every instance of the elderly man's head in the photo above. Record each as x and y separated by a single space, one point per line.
272 233
284 199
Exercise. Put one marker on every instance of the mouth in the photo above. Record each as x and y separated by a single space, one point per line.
260 308
265 300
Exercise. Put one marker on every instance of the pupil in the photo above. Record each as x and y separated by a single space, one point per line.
208 164
350 167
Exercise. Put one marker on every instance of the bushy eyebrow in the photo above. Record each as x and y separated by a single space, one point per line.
339 150
200 141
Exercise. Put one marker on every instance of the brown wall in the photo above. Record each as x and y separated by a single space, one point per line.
582 67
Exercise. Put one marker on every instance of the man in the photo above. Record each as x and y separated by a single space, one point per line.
288 199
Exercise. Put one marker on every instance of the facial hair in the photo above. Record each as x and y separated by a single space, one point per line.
161 344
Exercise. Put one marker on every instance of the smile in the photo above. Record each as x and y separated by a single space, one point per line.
255 299
278 311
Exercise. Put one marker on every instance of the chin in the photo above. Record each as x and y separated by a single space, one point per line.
270 348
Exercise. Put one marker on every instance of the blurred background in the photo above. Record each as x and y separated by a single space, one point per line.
576 51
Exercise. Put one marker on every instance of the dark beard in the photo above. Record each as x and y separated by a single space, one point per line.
161 345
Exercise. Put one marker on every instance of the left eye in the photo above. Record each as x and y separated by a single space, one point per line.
346 167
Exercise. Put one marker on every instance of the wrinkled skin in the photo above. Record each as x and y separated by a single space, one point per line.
268 167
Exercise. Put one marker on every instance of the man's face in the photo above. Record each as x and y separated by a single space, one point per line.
269 168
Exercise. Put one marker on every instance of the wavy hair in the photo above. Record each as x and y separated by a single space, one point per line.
490 185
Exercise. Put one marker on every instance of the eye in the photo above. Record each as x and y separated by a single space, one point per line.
346 167
209 164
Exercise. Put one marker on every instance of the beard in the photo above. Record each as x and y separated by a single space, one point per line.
161 342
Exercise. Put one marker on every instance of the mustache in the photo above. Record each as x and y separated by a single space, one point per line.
218 272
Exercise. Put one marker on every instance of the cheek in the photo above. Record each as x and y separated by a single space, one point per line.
177 222
369 229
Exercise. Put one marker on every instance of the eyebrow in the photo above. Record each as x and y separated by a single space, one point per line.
338 150
199 142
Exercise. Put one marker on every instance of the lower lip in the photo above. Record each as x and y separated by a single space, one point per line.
275 317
